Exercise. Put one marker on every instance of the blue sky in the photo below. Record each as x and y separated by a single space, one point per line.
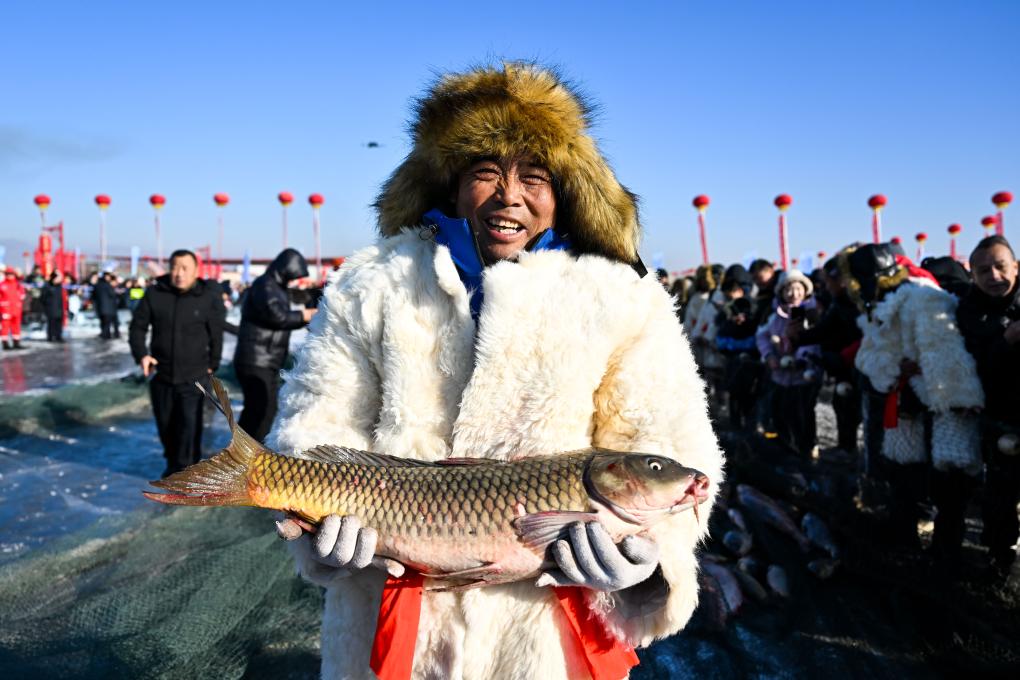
828 102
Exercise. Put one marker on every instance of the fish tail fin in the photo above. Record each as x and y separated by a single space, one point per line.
220 480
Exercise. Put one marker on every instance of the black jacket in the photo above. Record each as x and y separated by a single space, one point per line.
104 298
53 301
187 329
983 320
266 317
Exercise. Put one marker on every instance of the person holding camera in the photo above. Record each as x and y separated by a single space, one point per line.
791 369
263 339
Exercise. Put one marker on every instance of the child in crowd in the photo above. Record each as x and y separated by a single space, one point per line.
791 369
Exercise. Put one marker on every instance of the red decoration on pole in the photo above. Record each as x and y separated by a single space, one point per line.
921 237
954 231
989 222
316 201
103 201
42 201
896 241
221 200
876 203
1001 199
783 202
285 198
821 256
157 201
701 202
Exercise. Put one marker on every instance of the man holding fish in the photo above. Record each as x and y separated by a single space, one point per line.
503 315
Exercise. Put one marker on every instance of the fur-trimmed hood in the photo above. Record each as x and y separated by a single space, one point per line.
503 111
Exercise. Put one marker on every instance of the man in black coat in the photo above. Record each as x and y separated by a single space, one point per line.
104 301
263 339
53 307
989 319
186 316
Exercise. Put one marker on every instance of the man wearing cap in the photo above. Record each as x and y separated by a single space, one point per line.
503 313
913 354
989 319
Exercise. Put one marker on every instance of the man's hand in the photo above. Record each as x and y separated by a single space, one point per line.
590 559
1012 334
148 364
309 313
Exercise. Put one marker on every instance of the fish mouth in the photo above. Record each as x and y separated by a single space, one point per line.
695 494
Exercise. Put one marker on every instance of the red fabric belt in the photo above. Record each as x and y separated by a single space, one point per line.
605 657
891 417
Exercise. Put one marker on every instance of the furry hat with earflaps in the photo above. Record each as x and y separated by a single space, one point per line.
501 112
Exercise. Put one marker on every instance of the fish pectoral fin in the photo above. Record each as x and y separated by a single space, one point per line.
538 530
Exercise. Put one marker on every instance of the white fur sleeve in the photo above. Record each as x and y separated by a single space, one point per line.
331 394
652 400
949 376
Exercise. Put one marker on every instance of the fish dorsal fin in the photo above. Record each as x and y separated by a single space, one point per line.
327 453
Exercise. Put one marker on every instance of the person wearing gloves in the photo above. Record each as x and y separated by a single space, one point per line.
912 352
503 313
989 317
263 339
791 369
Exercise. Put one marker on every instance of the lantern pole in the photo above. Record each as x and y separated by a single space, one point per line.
701 202
876 203
1001 199
782 202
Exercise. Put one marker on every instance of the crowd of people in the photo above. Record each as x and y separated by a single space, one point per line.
922 361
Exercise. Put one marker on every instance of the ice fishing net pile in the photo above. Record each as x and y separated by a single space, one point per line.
174 593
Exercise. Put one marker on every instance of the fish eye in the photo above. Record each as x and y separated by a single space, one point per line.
654 464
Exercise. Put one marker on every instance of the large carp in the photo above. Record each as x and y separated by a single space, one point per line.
476 521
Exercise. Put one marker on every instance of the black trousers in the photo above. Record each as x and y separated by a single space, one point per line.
178 411
54 328
109 326
873 408
848 417
793 413
950 490
260 387
1002 491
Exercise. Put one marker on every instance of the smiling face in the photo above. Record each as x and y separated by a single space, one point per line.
507 203
794 293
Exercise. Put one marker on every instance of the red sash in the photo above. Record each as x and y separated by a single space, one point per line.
606 657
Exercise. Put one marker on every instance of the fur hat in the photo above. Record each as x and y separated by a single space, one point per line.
869 270
794 276
501 112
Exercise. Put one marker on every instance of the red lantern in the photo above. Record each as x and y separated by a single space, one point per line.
954 229
877 202
989 222
821 255
157 201
700 201
1001 199
221 199
316 200
921 237
896 241
783 201
103 201
42 201
285 198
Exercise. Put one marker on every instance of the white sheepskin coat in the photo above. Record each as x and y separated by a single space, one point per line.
917 321
570 353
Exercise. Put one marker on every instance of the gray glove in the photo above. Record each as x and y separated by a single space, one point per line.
339 548
590 559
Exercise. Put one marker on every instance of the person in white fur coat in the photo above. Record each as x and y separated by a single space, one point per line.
913 352
503 313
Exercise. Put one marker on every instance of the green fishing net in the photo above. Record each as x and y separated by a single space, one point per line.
161 593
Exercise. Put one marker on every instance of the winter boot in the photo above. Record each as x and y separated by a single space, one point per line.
7 345
17 344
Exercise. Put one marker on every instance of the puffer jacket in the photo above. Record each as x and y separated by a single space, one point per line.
263 338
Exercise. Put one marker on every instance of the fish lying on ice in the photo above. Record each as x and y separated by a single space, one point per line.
768 511
823 568
777 580
737 518
474 521
737 542
727 583
818 533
